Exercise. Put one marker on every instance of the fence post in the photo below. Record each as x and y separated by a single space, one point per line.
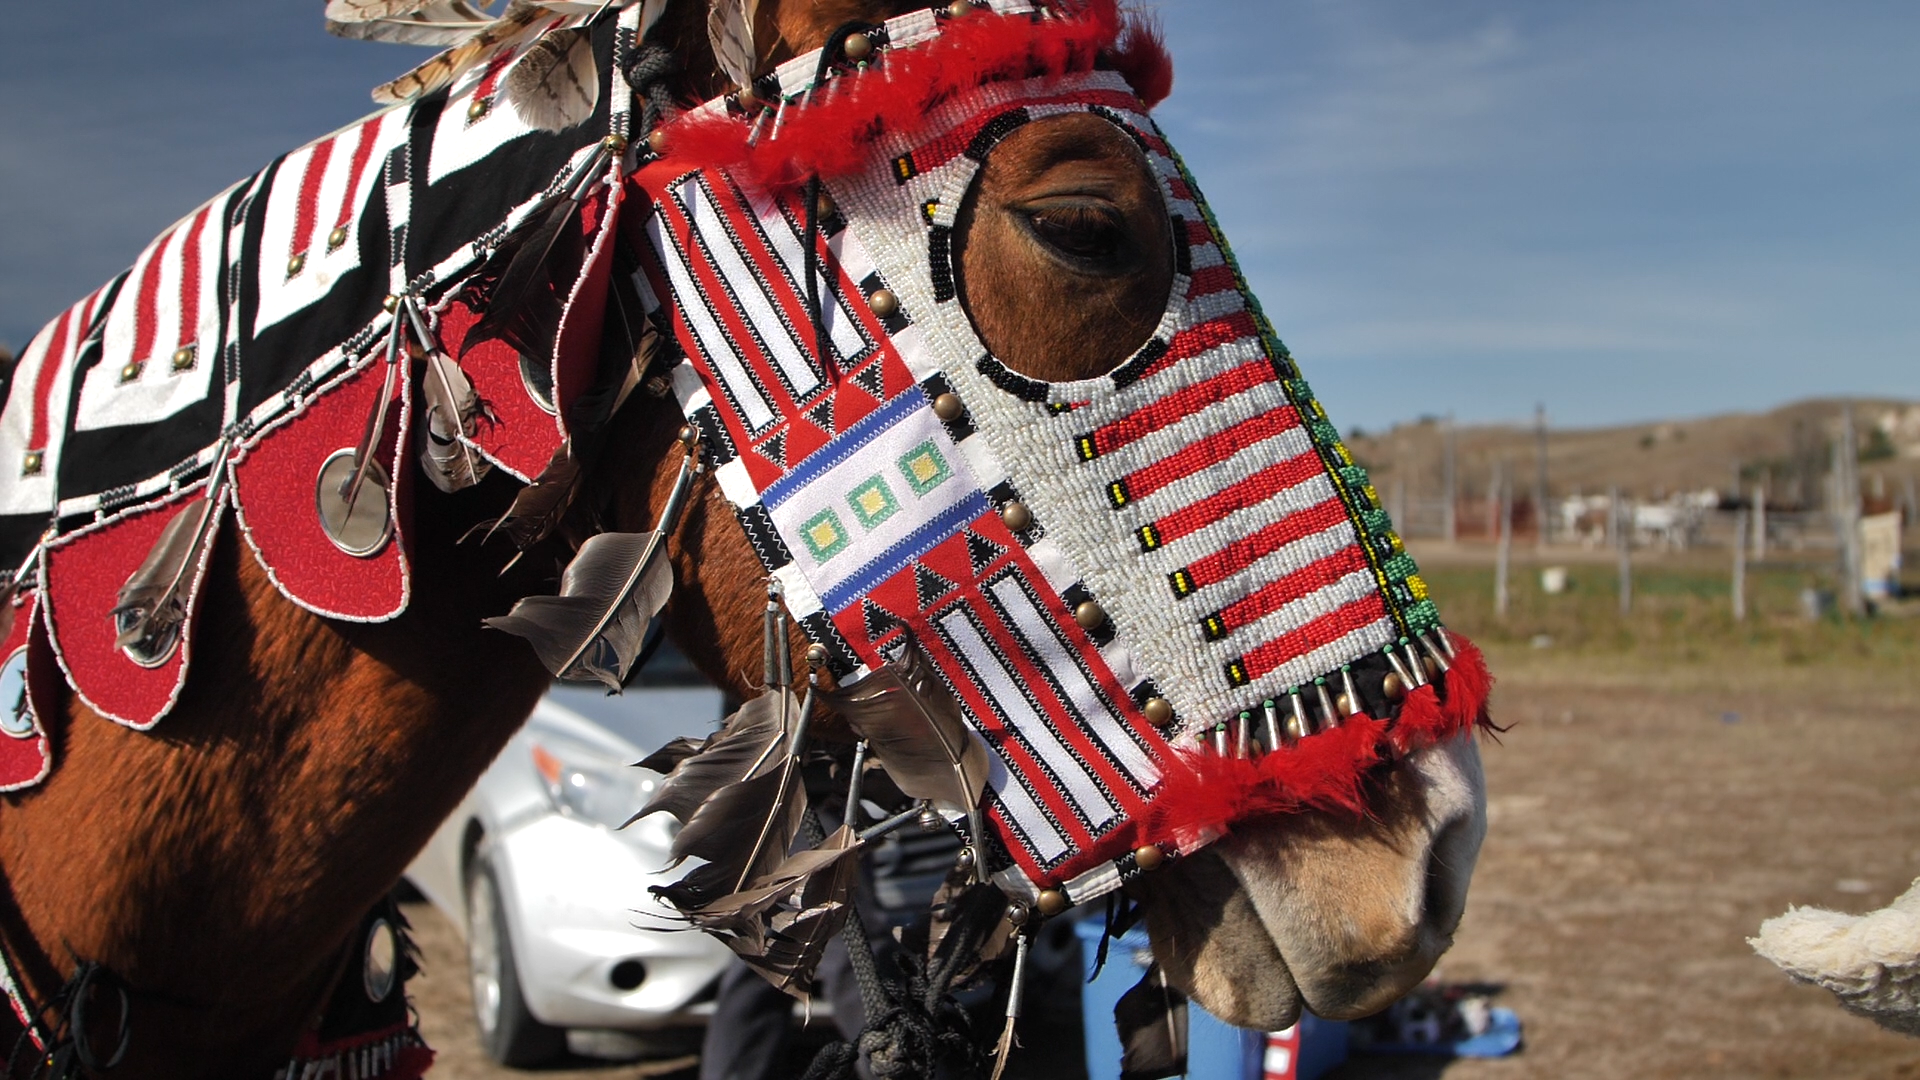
1504 557
1740 566
1759 522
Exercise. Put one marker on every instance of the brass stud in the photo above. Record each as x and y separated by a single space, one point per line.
31 463
1149 857
1432 667
183 358
958 9
947 407
477 108
615 143
884 303
130 372
1344 704
336 238
1052 902
689 435
391 304
1016 516
817 655
296 264
657 141
857 47
748 103
1159 711
1089 615
1393 686
824 206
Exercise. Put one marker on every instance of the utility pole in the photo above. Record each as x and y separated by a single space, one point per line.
1503 560
1759 522
1740 566
1450 480
1543 531
1846 497
1623 545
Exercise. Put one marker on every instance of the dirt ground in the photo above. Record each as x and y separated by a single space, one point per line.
1638 834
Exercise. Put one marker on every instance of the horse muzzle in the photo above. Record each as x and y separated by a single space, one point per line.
1337 915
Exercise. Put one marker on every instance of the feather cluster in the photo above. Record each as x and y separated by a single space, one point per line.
741 805
595 628
833 136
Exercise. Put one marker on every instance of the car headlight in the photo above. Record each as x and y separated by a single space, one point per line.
590 792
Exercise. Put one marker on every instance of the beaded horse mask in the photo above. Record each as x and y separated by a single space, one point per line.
1165 597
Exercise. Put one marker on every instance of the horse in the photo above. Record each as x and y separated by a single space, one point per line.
204 885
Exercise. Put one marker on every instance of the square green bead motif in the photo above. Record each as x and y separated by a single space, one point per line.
873 501
825 537
925 469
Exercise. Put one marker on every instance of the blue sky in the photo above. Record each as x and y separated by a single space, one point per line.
1624 210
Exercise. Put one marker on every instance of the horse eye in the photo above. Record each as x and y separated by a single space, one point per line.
1084 234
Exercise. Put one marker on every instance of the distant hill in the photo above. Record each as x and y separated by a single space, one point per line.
1789 448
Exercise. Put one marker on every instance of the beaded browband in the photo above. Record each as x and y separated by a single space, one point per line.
1166 598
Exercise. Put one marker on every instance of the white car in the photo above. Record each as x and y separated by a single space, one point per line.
567 948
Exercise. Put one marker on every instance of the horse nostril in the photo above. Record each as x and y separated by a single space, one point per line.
1450 860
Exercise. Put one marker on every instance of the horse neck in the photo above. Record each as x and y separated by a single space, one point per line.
220 861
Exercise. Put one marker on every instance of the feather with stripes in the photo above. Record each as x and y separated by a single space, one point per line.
453 414
730 32
555 83
595 628
442 69
407 22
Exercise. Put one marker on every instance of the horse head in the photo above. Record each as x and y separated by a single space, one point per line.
1068 264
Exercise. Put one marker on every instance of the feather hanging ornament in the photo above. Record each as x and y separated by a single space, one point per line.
668 758
780 925
1152 1021
742 745
453 415
730 31
533 272
408 22
595 628
536 511
151 611
740 803
913 723
555 84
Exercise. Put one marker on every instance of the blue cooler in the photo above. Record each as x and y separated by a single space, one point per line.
1215 1051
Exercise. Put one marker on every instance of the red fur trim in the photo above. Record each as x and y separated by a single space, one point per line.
1204 793
1140 56
830 137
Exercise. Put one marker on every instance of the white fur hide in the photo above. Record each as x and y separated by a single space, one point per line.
1871 962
